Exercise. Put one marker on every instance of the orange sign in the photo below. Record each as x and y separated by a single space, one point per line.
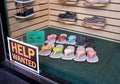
23 54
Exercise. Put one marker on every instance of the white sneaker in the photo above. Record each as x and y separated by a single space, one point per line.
98 1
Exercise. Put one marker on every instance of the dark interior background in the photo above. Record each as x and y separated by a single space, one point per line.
3 30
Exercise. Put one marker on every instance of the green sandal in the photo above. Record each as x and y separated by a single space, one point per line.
56 50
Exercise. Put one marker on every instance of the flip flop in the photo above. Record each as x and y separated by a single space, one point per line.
81 41
80 54
61 39
72 40
68 53
46 49
51 38
91 55
57 52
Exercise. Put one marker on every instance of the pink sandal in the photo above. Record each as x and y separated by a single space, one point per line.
69 53
91 55
51 38
80 54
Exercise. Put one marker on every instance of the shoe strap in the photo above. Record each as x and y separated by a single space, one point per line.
48 47
80 52
61 38
56 50
49 37
71 38
68 51
91 53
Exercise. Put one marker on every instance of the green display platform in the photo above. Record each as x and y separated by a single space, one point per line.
106 71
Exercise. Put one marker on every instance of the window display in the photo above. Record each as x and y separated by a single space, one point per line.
80 42
66 48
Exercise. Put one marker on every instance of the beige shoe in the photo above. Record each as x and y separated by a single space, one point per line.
96 3
68 2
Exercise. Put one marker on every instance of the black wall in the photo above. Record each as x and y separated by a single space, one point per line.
3 33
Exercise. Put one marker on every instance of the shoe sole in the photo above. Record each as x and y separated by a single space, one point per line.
67 22
68 2
22 17
92 26
94 5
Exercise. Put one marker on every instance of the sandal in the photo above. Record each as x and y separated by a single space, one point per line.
57 52
81 41
51 38
91 55
69 53
80 54
72 40
46 49
62 38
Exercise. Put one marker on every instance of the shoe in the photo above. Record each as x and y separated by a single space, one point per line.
57 51
91 55
46 49
80 54
81 41
51 38
68 53
96 3
23 1
62 38
89 42
28 12
68 16
94 22
19 14
68 2
71 40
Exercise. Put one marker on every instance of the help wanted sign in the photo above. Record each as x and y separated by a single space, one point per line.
23 54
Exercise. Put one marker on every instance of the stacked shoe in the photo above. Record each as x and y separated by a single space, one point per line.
96 3
68 17
27 13
95 22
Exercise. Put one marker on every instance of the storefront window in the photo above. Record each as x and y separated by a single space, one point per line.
77 42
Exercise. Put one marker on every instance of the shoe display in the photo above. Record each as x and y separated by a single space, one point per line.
24 9
69 17
95 22
27 13
96 3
